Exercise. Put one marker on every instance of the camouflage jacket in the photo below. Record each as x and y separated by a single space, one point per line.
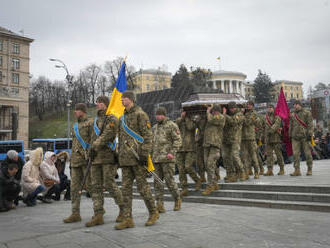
272 128
167 139
138 121
200 125
187 129
233 128
213 130
297 131
104 154
249 125
79 154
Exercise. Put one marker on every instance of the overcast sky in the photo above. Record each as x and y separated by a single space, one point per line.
288 39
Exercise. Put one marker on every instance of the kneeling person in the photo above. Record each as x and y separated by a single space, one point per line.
167 141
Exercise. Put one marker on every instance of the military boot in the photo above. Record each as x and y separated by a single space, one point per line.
120 217
216 186
184 192
262 171
160 207
203 179
256 175
126 223
152 219
74 217
250 172
269 172
177 204
309 171
198 185
97 219
209 189
296 173
243 176
232 179
217 174
281 172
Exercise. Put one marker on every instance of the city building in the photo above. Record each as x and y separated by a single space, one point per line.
320 107
151 80
249 93
292 89
14 85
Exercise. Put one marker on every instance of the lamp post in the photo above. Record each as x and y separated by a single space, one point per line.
69 81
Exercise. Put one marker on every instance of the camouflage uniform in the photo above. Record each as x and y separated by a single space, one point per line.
212 144
273 141
104 168
79 162
301 137
186 154
231 146
199 138
249 145
138 121
166 140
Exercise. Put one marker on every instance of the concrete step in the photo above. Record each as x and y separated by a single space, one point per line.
294 205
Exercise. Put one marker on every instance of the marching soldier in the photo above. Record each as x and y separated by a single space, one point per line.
104 167
80 143
199 138
166 143
231 144
212 144
249 145
185 155
301 132
273 141
135 144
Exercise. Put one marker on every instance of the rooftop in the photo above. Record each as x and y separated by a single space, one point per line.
230 73
154 72
7 32
287 82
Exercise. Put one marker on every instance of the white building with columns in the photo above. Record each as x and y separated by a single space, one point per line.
228 82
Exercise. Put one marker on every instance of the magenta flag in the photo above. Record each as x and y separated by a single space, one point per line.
283 111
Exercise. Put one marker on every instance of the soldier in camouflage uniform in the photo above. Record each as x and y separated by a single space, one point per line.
212 144
301 132
167 141
199 138
249 145
272 127
259 141
186 154
104 167
135 144
79 158
231 144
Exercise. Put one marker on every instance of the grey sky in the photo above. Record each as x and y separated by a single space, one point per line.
288 39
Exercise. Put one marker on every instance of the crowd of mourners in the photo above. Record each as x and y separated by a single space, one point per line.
41 177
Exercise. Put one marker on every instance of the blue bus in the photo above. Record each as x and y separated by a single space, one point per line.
53 145
17 145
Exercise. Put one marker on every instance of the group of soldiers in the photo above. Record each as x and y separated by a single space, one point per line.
229 132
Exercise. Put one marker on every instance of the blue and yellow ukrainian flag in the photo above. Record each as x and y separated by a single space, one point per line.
115 106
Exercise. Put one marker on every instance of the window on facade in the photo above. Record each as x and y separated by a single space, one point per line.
148 86
15 64
0 76
1 45
291 95
147 77
15 78
286 94
297 96
0 61
16 48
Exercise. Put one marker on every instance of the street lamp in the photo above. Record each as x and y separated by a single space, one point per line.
69 80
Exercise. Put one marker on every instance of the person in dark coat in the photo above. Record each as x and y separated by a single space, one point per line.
9 187
64 184
13 158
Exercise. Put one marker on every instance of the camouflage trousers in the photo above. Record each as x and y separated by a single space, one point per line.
185 161
211 156
103 177
231 158
249 154
139 173
297 145
77 175
201 166
165 171
270 156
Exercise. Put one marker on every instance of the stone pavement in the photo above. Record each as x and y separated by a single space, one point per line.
196 225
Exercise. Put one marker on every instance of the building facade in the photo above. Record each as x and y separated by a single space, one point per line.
228 82
151 80
320 106
14 85
292 89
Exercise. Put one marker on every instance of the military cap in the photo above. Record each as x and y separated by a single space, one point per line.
250 102
103 99
232 105
216 108
297 102
269 105
161 111
81 106
129 94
